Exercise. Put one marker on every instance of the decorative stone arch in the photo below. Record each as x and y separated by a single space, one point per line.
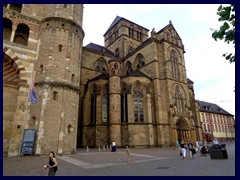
169 49
11 58
22 34
173 87
182 129
7 28
143 89
178 100
139 61
15 81
99 67
128 67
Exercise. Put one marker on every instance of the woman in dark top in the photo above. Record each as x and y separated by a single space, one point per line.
191 149
53 165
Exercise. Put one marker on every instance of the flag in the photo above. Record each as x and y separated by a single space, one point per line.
32 94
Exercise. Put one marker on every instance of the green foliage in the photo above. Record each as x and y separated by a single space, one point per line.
227 30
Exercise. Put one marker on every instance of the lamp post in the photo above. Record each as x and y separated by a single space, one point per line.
226 133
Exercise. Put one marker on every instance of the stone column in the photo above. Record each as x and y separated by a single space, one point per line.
115 102
13 33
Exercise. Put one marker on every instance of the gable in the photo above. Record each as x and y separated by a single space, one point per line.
170 34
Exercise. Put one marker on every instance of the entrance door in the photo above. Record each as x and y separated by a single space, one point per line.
182 129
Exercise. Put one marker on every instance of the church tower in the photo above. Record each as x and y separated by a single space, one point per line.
57 77
123 36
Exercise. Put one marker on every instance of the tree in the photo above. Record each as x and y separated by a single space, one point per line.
227 30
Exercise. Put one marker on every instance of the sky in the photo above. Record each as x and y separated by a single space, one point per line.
213 76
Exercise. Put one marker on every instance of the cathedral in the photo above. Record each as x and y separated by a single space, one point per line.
133 91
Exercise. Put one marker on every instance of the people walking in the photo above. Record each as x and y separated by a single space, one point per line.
114 149
52 164
197 146
177 144
183 149
127 154
191 149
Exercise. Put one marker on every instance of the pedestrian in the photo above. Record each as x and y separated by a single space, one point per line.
52 164
183 149
191 149
197 146
177 144
215 141
114 149
127 154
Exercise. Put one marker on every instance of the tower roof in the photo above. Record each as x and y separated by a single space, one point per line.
117 19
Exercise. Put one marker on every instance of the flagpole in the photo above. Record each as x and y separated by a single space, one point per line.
25 115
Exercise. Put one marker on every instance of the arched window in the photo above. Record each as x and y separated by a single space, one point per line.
140 61
179 101
73 78
21 34
128 67
93 104
105 104
41 68
138 102
16 7
130 48
101 66
7 29
174 65
124 103
60 47
70 129
55 95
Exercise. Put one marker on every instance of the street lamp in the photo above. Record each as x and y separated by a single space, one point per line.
226 133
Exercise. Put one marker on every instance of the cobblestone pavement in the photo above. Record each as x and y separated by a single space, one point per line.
143 162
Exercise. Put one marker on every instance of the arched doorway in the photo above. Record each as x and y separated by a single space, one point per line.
14 87
182 128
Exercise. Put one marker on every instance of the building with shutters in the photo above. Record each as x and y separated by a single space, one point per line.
216 122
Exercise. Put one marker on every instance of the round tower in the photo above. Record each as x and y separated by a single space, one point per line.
115 102
57 77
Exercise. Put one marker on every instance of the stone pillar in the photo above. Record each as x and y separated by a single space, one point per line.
13 33
115 102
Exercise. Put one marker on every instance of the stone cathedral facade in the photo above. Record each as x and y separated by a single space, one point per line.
133 91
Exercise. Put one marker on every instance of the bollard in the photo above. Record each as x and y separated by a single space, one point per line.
107 146
103 147
87 149
99 149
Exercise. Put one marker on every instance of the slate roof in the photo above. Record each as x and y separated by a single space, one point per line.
99 48
190 81
211 108
101 76
137 73
117 19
